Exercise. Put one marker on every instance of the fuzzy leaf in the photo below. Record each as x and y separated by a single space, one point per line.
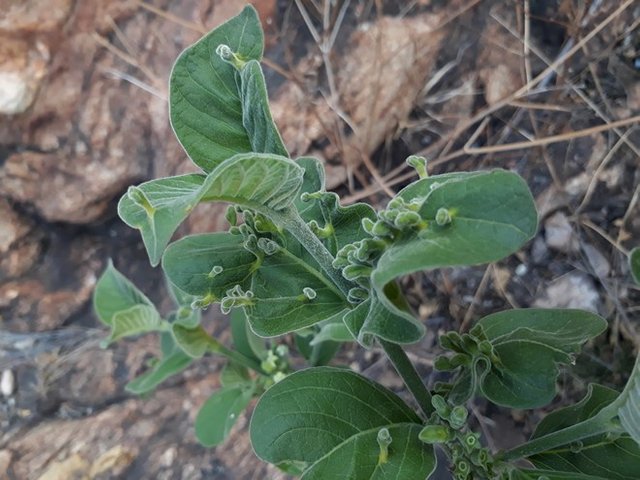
191 264
493 215
195 342
220 412
605 456
244 340
134 321
170 365
328 418
210 117
529 343
114 293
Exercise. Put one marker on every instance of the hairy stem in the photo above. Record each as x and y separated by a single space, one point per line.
409 375
600 423
292 221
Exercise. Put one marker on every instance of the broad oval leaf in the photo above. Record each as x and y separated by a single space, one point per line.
114 293
603 456
209 264
335 332
324 415
493 215
194 342
166 367
220 412
279 303
529 344
214 110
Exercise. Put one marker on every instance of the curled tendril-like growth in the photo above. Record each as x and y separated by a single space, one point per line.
309 293
215 271
268 246
236 297
419 164
384 440
229 56
321 232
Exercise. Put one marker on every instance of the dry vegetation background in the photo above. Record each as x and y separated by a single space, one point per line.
548 88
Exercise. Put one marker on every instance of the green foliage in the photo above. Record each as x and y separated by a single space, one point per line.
634 264
294 260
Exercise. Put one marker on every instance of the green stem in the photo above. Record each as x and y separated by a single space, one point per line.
292 221
600 423
240 359
409 374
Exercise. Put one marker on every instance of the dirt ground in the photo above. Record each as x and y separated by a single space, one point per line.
547 88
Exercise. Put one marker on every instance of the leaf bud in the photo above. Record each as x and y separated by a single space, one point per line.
442 407
353 272
367 225
321 232
270 364
485 347
443 217
231 215
407 219
380 229
458 417
282 350
357 295
384 440
471 441
419 164
278 376
435 434
268 246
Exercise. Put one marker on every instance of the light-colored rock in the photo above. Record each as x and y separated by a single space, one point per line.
559 233
5 460
28 16
73 468
7 383
573 290
21 71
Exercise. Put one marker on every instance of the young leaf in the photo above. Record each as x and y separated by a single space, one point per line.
329 418
634 264
195 342
220 412
209 264
205 101
256 116
244 340
492 214
266 183
170 365
529 344
335 331
134 321
605 456
290 294
158 207
115 293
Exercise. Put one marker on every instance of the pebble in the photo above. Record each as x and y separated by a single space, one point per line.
7 383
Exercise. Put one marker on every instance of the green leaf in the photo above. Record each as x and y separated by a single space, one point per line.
329 418
493 215
209 264
279 304
195 342
629 404
233 374
313 181
634 264
205 103
256 115
389 325
244 340
220 412
158 207
185 314
170 365
265 183
529 344
115 293
134 321
536 474
336 332
605 456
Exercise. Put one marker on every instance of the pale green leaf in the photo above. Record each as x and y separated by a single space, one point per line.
244 340
220 412
195 342
324 417
493 215
205 101
605 456
336 332
166 367
209 264
134 321
114 293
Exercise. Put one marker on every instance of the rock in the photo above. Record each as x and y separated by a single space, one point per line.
73 468
5 460
33 15
573 290
21 71
7 383
559 233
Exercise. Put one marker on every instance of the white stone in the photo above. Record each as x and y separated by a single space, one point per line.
7 383
15 93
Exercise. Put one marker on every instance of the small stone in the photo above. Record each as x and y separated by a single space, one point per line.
559 233
5 460
521 270
573 290
7 383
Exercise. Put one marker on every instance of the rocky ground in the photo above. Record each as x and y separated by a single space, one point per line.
83 115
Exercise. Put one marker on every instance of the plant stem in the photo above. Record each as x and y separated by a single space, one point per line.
292 221
240 359
409 375
600 423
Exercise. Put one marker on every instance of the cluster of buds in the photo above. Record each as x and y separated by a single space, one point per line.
258 232
470 459
276 363
466 348
236 297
